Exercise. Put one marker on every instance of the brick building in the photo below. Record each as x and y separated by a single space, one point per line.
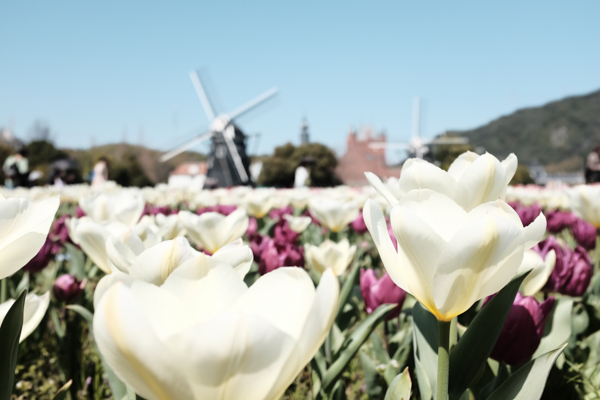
360 158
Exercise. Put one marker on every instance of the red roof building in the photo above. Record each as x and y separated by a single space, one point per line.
360 158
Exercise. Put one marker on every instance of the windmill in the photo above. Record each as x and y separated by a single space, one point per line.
418 146
228 163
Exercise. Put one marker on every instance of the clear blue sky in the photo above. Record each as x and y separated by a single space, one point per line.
105 69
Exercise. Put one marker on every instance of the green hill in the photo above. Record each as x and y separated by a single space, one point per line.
557 135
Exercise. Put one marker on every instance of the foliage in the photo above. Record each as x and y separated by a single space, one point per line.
279 169
563 130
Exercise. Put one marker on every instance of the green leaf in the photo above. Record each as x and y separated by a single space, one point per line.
400 387
529 381
353 343
374 389
10 333
425 339
23 283
118 388
468 357
59 326
558 326
349 283
62 392
84 312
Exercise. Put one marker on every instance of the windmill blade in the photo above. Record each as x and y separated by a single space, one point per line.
237 160
253 103
386 145
188 145
202 94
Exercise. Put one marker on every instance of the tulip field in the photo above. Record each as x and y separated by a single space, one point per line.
436 285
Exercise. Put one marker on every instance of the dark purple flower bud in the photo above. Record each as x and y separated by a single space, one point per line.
359 224
67 287
79 213
165 210
221 209
528 213
560 273
376 292
60 232
522 330
584 233
252 227
581 268
43 257
280 212
557 220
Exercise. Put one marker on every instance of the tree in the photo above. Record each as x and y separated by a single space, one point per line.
279 169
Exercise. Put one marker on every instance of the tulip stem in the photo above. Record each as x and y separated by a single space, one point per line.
443 359
3 291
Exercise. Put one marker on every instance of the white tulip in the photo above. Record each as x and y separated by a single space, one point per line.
33 312
471 180
155 264
205 335
332 213
213 230
328 254
169 226
585 202
449 258
541 271
24 227
92 237
297 224
125 206
259 202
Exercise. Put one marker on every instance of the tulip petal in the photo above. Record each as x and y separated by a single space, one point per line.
509 164
316 328
420 174
236 254
481 182
129 345
294 293
381 188
535 231
240 360
461 163
377 227
107 281
482 249
33 313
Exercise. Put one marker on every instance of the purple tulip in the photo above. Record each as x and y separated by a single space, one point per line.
376 292
60 232
557 220
276 256
584 233
67 287
79 213
283 234
573 270
582 269
43 257
252 227
359 224
278 213
522 330
527 214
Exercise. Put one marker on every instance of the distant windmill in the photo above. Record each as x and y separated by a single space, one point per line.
228 163
418 146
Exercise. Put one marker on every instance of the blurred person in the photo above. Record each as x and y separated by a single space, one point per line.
592 166
16 168
302 175
100 172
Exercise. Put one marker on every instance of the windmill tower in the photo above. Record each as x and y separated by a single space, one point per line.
228 163
417 146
